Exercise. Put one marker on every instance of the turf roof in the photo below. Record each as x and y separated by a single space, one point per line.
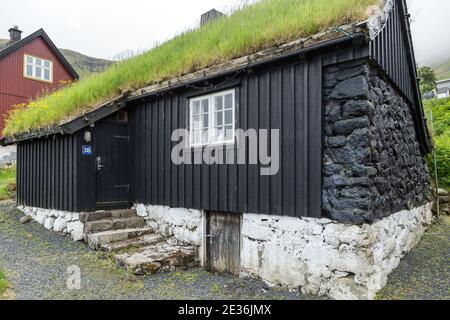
247 30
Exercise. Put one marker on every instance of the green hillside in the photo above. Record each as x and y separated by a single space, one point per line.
442 70
85 65
3 43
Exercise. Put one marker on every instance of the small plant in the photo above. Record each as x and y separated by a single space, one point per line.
3 283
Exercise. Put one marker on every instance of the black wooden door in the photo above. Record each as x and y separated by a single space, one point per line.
112 165
223 242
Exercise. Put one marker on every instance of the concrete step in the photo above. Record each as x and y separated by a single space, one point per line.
139 242
161 257
100 215
96 240
113 224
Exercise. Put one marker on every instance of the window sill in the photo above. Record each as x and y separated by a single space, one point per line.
37 79
215 146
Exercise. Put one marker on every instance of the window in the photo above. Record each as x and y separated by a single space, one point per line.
212 119
37 68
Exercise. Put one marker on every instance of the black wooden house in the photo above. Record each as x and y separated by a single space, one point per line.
132 135
119 154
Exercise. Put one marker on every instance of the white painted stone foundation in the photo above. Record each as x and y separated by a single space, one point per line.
59 221
323 257
316 256
183 225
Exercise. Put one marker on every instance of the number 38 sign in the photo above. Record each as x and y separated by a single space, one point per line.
86 150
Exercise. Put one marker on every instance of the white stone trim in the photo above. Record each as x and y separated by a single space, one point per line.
323 257
184 225
60 221
317 256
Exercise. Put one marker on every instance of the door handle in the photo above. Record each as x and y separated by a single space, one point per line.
100 166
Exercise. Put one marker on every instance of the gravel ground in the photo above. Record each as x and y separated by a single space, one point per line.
36 261
424 274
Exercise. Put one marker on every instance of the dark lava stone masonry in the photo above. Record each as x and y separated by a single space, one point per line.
373 165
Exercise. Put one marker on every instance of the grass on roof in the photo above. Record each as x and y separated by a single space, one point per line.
247 30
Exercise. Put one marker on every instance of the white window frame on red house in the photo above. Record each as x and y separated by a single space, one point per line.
212 118
37 68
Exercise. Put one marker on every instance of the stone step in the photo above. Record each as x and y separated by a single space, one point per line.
100 215
161 257
113 224
95 240
139 242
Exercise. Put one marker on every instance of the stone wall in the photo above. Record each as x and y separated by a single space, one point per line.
325 257
183 225
59 221
373 165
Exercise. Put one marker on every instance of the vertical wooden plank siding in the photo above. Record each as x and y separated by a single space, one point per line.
390 49
287 98
47 173
283 96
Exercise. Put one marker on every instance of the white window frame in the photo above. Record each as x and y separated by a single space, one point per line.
34 66
211 119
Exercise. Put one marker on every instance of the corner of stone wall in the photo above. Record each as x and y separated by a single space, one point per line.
58 221
347 165
372 163
180 224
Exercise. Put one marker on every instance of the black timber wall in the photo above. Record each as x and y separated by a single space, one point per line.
392 49
51 173
286 97
46 173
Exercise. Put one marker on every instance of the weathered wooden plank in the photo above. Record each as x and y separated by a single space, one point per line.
315 139
276 123
223 247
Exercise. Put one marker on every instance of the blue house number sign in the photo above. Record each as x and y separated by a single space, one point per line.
86 150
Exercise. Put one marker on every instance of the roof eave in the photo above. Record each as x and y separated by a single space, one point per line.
40 33
251 61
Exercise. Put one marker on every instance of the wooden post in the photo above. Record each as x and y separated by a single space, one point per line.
435 167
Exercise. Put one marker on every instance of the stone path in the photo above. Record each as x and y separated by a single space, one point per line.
134 245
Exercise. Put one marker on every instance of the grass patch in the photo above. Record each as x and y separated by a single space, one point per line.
3 283
441 123
248 29
7 182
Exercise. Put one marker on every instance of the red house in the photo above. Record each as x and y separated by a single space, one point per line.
30 67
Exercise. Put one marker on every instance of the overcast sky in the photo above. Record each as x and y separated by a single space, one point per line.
103 28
